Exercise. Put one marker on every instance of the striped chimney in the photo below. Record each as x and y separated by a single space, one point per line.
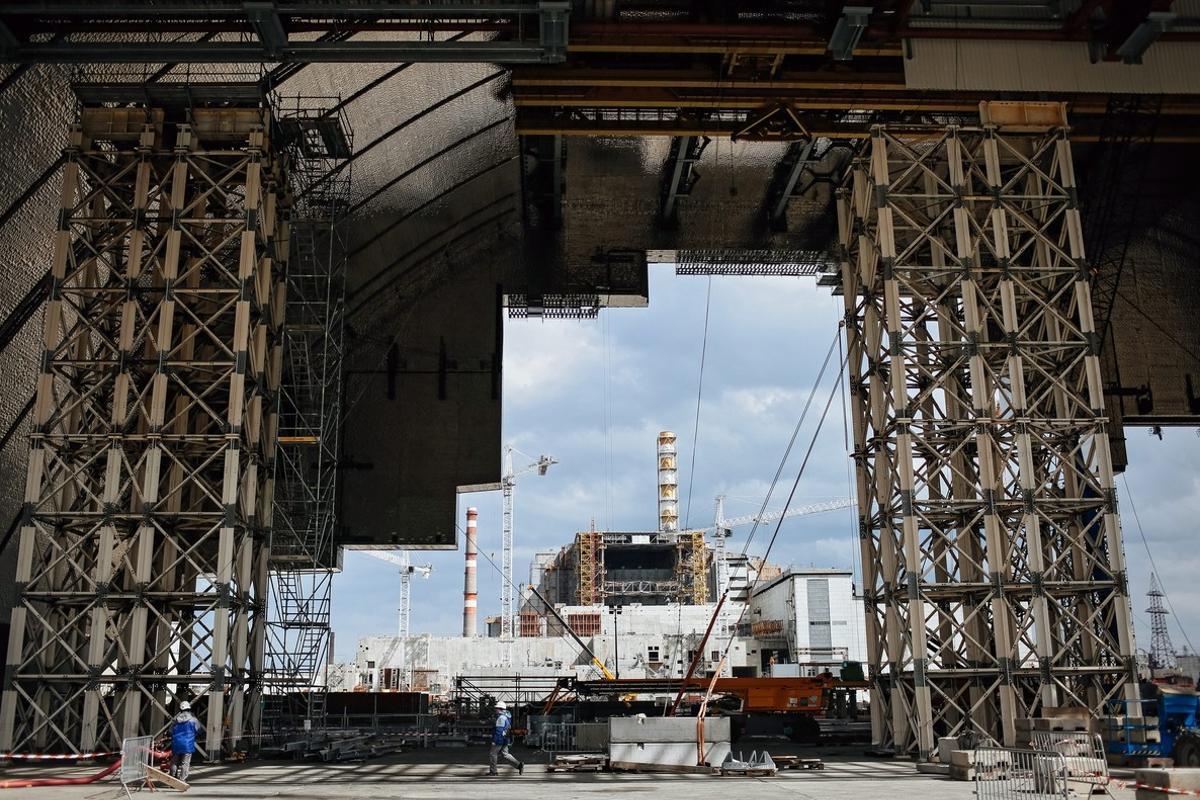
668 484
470 588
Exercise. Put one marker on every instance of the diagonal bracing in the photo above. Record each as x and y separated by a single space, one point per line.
994 574
142 558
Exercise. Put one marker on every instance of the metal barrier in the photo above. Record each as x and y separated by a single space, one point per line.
1002 774
136 753
552 735
1087 765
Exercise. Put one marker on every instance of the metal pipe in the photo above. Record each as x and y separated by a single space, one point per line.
470 587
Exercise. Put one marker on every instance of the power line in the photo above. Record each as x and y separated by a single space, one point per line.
1149 555
834 391
699 393
792 441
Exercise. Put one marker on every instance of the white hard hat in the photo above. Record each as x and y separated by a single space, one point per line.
500 704
185 706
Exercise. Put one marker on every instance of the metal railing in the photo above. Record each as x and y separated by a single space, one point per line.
1087 766
1003 774
136 753
553 736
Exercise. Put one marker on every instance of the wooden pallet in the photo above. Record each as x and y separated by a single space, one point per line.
798 762
677 769
578 763
763 772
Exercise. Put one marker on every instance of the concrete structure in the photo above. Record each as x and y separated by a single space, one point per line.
806 619
666 741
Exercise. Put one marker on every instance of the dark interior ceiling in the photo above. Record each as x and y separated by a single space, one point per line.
710 130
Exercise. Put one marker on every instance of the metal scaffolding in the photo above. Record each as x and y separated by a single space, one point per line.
142 561
591 567
994 575
304 553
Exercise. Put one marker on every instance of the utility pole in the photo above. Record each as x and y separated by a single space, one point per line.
508 484
1162 652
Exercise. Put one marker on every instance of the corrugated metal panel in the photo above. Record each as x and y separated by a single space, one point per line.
820 633
976 65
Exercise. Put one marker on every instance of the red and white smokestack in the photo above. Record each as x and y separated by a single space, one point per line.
470 587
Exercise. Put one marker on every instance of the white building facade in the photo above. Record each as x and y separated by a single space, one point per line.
801 623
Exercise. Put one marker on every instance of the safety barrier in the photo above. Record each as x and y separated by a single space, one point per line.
1003 774
552 735
1087 767
136 753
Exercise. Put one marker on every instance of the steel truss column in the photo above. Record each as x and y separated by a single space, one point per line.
144 506
994 572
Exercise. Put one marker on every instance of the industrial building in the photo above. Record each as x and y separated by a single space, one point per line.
258 258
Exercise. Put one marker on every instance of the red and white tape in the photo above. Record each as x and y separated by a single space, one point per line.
56 757
1149 787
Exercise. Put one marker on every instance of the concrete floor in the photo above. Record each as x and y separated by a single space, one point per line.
461 773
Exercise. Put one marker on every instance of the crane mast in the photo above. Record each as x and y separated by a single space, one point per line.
506 548
723 528
407 570
508 484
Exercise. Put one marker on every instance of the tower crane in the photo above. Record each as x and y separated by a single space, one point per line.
407 570
723 528
508 484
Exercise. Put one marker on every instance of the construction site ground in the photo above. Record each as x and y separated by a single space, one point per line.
462 773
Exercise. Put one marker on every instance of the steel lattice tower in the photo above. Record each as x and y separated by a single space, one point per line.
318 141
994 575
1162 652
142 561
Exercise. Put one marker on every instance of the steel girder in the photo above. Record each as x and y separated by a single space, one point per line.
263 31
994 574
143 560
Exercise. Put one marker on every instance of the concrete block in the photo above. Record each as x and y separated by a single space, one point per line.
666 741
962 773
946 746
1181 778
962 758
666 729
929 768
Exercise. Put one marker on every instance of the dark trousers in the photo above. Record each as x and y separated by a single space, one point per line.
498 752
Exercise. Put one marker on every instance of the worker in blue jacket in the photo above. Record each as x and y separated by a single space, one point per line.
184 727
501 740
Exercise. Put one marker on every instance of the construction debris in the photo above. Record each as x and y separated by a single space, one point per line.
759 765
580 762
155 775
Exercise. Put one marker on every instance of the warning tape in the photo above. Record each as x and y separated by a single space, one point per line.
1152 788
54 757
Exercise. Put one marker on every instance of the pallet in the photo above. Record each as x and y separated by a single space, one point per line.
676 769
757 772
798 762
578 763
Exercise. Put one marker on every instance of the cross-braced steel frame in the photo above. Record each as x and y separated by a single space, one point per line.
994 575
318 141
142 561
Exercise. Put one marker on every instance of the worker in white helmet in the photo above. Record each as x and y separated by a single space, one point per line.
501 740
184 727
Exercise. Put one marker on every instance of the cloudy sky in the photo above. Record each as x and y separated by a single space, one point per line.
594 394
